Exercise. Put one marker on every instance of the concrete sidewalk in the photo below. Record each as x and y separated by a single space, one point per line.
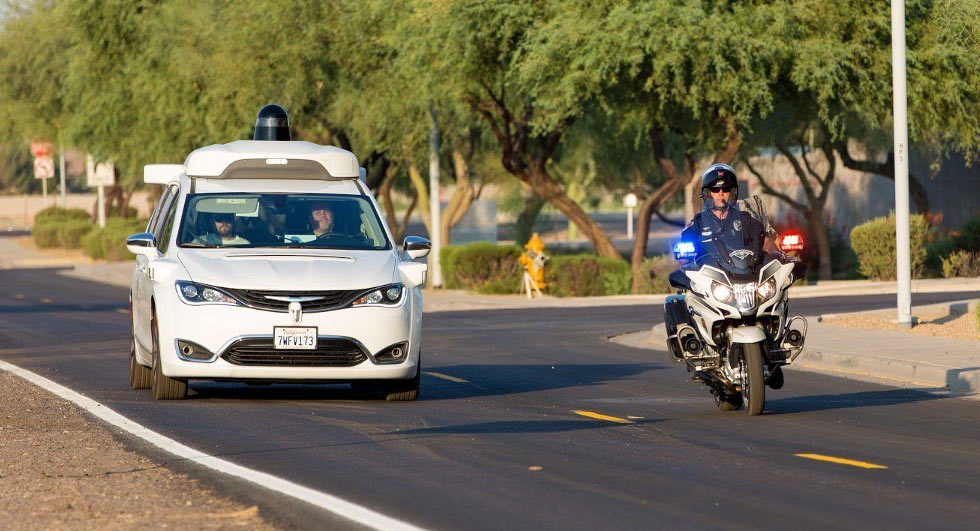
881 356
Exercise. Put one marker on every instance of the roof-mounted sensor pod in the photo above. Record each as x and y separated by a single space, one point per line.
272 123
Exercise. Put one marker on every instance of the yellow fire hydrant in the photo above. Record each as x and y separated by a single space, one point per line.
533 261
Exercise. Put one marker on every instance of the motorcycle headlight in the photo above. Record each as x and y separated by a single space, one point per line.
194 293
721 292
767 289
383 296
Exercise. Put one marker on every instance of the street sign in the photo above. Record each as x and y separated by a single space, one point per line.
43 167
101 174
41 148
629 201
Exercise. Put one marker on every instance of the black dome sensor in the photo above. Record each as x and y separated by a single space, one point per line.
272 124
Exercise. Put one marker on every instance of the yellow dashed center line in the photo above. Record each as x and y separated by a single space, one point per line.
122 310
446 377
840 460
600 416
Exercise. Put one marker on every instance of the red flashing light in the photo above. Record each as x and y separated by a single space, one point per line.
791 242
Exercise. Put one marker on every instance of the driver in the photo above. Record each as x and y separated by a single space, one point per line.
323 219
720 220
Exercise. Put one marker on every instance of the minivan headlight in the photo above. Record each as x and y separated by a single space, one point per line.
194 293
384 296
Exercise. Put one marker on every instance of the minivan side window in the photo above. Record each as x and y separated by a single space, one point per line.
166 222
153 227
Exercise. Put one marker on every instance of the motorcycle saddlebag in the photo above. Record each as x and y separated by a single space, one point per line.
675 314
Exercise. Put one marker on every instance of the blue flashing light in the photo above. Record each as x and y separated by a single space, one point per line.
684 250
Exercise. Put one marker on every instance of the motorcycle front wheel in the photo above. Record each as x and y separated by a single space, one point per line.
753 380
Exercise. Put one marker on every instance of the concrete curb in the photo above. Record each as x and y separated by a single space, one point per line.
851 365
956 307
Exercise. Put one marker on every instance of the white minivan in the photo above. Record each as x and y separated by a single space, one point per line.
268 261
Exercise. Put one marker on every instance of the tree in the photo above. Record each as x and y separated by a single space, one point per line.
481 54
842 61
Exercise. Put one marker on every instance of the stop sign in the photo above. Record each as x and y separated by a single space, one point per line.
42 148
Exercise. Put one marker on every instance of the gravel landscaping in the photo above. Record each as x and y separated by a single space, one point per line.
60 470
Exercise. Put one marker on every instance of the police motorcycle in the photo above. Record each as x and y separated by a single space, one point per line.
729 322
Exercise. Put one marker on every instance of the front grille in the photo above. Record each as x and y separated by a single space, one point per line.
258 299
329 352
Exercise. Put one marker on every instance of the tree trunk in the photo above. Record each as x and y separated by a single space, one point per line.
650 203
820 232
552 191
461 199
525 220
422 193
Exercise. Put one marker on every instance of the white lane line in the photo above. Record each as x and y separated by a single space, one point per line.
328 502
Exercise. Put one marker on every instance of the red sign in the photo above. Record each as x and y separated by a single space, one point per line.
42 148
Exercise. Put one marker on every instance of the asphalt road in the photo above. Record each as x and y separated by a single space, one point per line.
495 441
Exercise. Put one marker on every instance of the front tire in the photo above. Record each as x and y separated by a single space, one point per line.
139 376
754 384
164 387
403 390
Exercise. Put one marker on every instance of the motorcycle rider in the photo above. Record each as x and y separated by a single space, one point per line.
721 220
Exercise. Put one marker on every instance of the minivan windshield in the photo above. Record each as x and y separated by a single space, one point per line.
308 221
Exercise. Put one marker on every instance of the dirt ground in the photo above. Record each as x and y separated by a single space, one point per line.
75 255
934 323
60 470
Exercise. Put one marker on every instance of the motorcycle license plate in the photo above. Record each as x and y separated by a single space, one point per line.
294 337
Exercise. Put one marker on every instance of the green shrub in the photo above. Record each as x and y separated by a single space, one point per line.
92 244
56 213
937 251
45 233
58 227
874 244
482 266
110 243
962 264
71 231
655 272
583 275
446 265
969 237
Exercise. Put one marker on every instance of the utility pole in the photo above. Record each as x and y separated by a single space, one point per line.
434 206
901 134
61 168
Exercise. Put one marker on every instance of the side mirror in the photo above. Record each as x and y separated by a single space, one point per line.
679 280
416 247
142 244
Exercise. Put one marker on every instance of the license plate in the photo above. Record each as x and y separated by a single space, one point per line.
294 337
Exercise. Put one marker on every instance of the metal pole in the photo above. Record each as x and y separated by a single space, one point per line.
61 168
101 206
44 192
899 109
434 206
629 223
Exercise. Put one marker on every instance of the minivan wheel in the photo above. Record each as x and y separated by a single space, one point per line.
403 390
164 387
139 375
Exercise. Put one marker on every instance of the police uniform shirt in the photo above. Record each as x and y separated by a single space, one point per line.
703 234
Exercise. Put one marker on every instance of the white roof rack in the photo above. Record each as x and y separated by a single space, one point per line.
263 159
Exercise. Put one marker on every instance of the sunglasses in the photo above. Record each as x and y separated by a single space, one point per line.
224 218
719 189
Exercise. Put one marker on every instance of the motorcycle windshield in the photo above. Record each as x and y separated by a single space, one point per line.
731 248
